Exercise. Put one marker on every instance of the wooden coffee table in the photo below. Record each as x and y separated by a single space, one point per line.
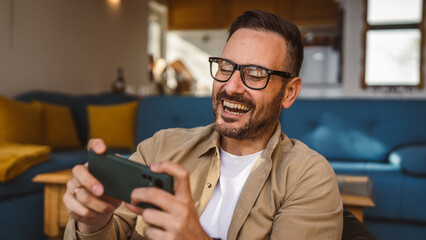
357 192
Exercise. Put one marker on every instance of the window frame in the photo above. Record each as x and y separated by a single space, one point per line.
420 26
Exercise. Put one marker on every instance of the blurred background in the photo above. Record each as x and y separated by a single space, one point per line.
353 48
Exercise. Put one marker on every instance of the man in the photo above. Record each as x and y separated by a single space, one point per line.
240 178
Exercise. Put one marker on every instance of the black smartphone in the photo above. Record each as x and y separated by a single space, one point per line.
120 176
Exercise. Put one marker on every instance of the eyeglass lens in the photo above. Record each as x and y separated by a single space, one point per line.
253 76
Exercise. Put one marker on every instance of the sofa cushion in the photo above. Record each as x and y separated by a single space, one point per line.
412 158
161 112
62 99
115 124
394 230
414 198
98 99
77 104
58 128
19 122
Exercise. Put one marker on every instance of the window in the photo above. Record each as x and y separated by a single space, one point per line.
394 41
156 29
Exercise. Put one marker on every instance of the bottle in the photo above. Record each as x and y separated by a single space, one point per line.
119 85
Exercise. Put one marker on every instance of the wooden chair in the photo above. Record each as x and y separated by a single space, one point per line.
353 229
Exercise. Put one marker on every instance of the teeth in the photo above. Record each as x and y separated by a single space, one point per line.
236 113
235 105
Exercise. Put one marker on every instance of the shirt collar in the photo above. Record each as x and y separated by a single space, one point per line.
213 141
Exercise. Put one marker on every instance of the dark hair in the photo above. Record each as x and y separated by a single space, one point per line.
265 21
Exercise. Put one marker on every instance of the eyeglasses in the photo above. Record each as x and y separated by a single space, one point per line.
253 76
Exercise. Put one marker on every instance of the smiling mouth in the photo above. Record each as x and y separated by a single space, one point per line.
235 108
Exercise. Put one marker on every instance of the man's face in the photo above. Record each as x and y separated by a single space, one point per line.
244 113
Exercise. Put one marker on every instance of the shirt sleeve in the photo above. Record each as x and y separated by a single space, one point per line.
313 206
121 226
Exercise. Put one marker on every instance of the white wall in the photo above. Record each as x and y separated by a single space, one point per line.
73 46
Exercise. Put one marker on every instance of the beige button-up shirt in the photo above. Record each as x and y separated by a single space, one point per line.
291 192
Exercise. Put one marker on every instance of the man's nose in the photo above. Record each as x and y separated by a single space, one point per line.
235 84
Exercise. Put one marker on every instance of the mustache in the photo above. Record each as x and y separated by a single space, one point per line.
222 95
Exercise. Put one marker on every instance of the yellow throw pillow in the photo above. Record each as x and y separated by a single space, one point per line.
115 124
17 158
19 122
58 128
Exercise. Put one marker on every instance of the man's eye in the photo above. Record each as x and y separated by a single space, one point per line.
255 78
226 70
255 74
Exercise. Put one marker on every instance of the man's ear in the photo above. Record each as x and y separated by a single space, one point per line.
291 92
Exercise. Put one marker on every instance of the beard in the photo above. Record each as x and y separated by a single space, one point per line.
262 117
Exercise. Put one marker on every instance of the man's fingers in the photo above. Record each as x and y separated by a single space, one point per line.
78 211
111 200
82 175
157 218
72 185
92 202
87 199
97 145
155 196
134 208
179 173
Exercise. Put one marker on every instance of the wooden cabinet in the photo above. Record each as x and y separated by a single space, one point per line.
237 7
312 12
195 14
211 14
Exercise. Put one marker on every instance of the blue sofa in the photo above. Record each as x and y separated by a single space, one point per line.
21 200
384 139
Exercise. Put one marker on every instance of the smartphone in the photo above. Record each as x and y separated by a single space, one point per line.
120 176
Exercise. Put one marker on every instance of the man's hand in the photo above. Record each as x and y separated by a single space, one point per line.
178 218
84 198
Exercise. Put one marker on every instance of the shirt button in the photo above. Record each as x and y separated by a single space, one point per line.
209 185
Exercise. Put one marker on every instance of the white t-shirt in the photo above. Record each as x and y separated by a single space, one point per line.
234 171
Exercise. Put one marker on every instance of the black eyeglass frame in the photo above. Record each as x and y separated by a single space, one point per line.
240 68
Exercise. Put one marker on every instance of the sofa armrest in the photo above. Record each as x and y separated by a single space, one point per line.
411 157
